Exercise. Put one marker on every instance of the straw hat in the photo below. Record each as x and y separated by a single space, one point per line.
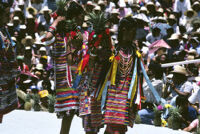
31 8
186 13
45 9
196 4
180 70
160 19
27 38
174 37
193 52
21 2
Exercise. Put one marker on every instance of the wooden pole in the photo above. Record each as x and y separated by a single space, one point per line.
180 63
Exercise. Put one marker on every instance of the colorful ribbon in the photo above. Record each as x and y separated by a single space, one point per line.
133 79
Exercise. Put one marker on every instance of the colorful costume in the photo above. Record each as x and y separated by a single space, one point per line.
8 73
66 95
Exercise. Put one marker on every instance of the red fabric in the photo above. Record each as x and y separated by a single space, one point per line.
85 62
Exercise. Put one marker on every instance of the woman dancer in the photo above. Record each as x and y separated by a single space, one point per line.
123 97
65 53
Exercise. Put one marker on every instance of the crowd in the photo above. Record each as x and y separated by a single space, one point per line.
82 52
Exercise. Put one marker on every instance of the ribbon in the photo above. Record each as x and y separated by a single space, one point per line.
76 82
69 76
104 86
155 93
133 79
114 71
134 90
83 64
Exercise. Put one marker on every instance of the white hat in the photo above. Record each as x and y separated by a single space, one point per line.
16 18
17 9
160 10
143 8
14 39
97 8
39 67
180 70
150 4
29 16
22 26
28 48
114 11
10 24
45 8
21 2
101 2
174 37
90 3
121 3
171 17
43 49
84 25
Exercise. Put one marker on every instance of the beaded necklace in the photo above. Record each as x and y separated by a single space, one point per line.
125 63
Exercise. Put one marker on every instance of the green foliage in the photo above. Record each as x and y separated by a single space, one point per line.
51 102
36 105
61 7
98 22
157 116
174 120
137 119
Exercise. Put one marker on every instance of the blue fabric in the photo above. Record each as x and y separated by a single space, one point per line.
192 114
133 79
76 82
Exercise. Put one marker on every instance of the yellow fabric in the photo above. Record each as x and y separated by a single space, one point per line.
79 68
134 90
114 72
138 54
112 58
43 93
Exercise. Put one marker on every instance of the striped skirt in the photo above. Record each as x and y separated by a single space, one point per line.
66 97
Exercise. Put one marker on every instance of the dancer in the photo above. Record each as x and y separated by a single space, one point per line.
123 98
8 64
65 55
93 69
